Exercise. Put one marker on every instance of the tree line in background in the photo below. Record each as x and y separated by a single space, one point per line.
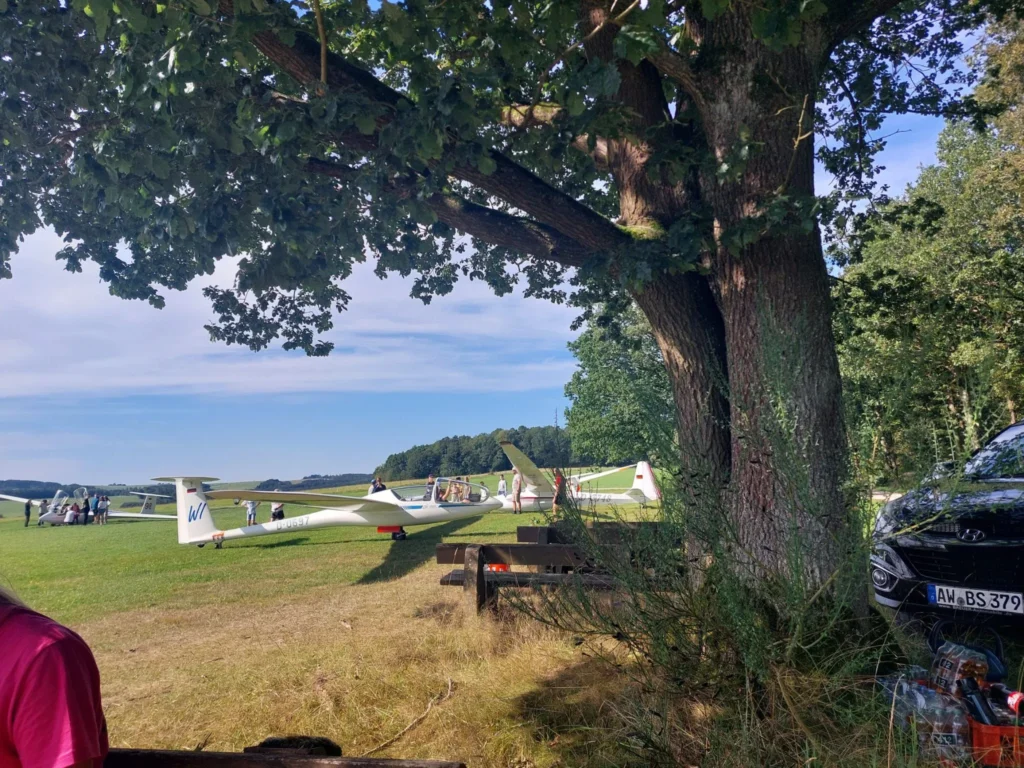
37 489
930 305
480 454
928 295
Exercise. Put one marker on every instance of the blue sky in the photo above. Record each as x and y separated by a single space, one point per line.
99 390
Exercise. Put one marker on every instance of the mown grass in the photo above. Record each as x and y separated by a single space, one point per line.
337 632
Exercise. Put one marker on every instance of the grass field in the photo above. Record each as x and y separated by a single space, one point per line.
337 632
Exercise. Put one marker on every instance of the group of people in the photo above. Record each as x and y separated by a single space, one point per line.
91 509
517 490
276 511
377 485
457 491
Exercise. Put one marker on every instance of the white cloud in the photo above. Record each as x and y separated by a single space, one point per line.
69 336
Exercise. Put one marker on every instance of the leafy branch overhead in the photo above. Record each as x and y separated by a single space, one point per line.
441 138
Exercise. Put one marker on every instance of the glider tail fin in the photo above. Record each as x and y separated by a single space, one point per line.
644 482
195 523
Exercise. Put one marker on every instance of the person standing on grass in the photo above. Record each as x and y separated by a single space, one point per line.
250 512
104 505
71 518
44 507
84 510
502 488
517 492
559 501
28 511
51 713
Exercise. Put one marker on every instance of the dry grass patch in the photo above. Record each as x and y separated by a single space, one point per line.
357 665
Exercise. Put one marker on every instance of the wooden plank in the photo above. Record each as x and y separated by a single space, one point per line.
513 554
529 579
450 554
533 554
454 578
145 758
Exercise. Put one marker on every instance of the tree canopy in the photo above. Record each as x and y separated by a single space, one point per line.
192 131
621 399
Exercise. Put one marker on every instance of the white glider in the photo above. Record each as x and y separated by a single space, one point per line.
389 510
55 511
538 491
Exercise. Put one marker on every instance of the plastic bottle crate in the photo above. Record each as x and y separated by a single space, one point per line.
997 745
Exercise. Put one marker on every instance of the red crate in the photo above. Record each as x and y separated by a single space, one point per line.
997 745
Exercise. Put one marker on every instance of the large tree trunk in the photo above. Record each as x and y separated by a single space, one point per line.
688 329
747 341
788 446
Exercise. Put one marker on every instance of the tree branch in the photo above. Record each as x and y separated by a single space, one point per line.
675 66
527 116
846 17
494 227
511 182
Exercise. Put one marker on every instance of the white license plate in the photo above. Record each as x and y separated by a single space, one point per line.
975 599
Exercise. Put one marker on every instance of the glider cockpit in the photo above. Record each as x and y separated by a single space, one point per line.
443 491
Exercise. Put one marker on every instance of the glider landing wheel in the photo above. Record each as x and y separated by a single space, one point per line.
201 545
398 535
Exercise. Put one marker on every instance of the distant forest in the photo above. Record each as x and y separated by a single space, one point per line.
464 455
36 489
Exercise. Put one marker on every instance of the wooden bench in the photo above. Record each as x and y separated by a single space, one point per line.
268 758
486 567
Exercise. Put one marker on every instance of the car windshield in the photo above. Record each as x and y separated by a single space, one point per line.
1002 458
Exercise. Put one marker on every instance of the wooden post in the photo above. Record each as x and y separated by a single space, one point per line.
475 585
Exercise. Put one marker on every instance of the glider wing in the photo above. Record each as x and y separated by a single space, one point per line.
138 516
18 498
596 475
323 500
535 479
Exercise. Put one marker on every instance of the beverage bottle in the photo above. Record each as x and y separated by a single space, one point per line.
1006 697
959 751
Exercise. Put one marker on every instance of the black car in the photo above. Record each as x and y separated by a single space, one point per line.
955 546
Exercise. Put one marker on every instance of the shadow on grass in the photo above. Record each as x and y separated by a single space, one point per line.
405 556
286 543
573 713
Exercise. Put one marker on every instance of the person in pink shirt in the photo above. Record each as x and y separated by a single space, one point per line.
50 710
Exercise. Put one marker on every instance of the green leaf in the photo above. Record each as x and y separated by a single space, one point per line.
366 123
575 104
713 8
3 6
161 168
202 7
486 164
286 131
99 12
